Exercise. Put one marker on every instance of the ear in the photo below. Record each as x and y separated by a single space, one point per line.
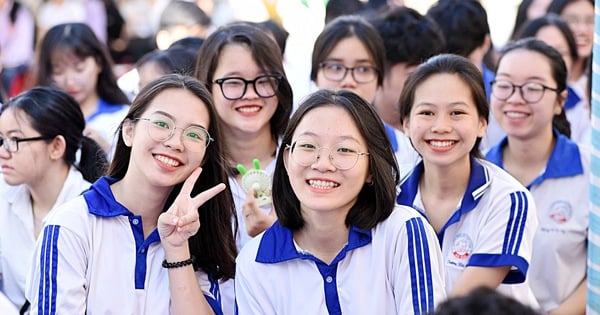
405 125
163 39
487 43
127 129
286 156
560 102
57 148
482 127
369 179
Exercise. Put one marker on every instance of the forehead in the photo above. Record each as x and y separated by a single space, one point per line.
14 120
66 56
317 122
581 7
181 105
444 89
526 63
351 49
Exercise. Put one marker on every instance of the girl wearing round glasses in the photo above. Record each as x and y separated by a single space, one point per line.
485 220
556 170
153 236
349 54
253 100
340 244
46 160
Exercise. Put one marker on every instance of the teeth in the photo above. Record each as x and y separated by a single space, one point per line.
249 109
441 143
515 115
322 184
167 161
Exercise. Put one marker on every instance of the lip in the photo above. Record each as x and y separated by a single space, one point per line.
167 162
5 168
318 184
249 109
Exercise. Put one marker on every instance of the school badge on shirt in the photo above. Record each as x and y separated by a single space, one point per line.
560 211
462 246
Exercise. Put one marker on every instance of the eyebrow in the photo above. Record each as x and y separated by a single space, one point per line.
340 60
173 118
310 133
528 78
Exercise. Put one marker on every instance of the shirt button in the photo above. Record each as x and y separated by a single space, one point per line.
135 221
143 250
329 279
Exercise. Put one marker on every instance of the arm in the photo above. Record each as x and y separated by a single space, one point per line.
575 303
473 277
419 274
175 226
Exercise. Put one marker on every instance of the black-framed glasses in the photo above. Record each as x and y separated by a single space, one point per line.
531 92
12 144
162 128
341 155
337 72
234 88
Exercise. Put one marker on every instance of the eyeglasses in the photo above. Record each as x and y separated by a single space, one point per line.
162 128
582 20
234 88
530 92
342 156
337 72
12 144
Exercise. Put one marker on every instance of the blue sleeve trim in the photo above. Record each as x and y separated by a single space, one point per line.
48 270
420 267
514 276
516 223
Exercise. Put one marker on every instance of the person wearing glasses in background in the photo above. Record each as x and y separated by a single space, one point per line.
253 100
154 235
341 245
349 54
528 99
46 160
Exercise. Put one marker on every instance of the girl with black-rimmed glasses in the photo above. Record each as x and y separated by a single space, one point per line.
46 160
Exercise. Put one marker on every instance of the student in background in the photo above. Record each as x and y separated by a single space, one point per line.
334 189
154 236
349 55
528 96
46 160
72 59
484 218
483 300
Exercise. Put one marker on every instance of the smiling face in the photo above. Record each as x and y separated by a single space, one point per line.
444 123
169 162
251 114
349 52
580 17
75 76
320 186
30 163
517 117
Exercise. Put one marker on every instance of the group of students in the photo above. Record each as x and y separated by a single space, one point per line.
365 218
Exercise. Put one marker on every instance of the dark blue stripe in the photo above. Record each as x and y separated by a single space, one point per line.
427 265
410 232
516 223
509 224
43 275
54 267
523 219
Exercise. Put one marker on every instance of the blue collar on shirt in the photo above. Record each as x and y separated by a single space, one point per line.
479 181
103 108
564 161
277 244
572 98
100 199
391 133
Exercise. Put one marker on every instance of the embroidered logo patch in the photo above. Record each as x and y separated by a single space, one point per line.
462 246
560 211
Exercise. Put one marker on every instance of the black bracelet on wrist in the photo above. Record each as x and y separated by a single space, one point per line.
178 264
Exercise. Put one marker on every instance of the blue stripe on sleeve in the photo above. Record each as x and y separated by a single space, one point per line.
516 223
418 253
48 267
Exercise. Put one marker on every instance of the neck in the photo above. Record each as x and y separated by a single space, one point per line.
448 182
89 105
525 159
577 70
242 149
323 238
45 191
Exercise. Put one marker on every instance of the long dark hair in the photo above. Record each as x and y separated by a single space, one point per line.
79 39
214 245
53 113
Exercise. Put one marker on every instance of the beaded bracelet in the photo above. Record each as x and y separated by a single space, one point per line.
178 264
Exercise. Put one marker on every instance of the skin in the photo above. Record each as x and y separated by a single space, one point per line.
149 72
37 164
154 168
388 94
583 33
349 52
325 204
553 37
443 126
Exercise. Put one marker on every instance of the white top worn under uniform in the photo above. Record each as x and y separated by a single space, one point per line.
394 268
492 226
17 239
93 259
561 194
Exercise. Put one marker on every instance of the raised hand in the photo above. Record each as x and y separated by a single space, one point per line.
255 218
181 220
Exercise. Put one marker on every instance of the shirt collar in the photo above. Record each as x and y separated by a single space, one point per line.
277 244
101 201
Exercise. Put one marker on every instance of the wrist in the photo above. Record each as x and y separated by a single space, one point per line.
178 264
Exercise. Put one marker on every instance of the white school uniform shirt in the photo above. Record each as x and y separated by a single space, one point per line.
93 259
17 240
493 226
106 121
394 268
561 194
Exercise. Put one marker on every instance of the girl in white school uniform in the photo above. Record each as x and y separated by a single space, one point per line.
527 99
46 160
485 220
340 245
155 235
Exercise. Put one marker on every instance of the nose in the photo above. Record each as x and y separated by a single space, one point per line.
323 161
250 92
517 96
175 140
441 124
348 80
